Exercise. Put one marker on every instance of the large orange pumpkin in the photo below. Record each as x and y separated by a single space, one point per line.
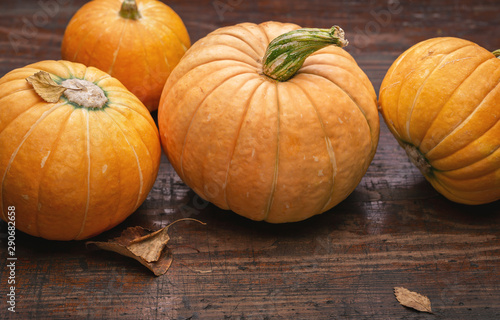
69 168
139 43
441 100
247 139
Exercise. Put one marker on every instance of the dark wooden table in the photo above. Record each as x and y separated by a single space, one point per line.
393 230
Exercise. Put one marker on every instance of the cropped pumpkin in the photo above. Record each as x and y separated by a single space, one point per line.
251 129
441 100
139 43
79 165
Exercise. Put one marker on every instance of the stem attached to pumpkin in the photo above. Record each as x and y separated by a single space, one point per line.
129 10
418 159
84 93
497 53
286 54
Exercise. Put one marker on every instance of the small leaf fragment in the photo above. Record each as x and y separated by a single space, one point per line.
149 248
412 300
46 87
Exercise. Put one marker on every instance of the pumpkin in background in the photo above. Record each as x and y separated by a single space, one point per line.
441 100
137 43
73 169
248 134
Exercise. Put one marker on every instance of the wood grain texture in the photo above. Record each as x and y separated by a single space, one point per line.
393 230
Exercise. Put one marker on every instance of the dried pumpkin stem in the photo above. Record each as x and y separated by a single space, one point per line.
129 10
418 159
84 93
286 54
497 53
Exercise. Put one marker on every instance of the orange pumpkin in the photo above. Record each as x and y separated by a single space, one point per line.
247 137
70 168
137 43
441 100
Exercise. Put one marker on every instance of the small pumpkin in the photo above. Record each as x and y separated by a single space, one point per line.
137 42
80 164
441 100
264 129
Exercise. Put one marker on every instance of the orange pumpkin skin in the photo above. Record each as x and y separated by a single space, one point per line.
441 100
268 150
140 53
69 171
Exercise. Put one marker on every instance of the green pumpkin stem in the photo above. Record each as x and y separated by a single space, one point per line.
286 53
129 10
497 53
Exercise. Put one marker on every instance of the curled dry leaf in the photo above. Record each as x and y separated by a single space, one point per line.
149 248
412 300
47 88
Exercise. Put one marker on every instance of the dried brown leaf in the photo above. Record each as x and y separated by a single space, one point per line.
149 248
412 300
45 86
